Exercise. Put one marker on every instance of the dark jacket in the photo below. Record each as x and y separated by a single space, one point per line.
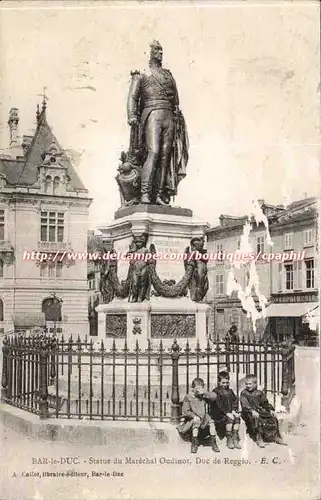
195 406
255 400
226 402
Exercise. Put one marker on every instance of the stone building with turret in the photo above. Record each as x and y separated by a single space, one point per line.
43 208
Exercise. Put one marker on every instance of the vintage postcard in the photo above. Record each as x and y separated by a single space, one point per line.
159 250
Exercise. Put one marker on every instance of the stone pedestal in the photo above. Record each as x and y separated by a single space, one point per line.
170 229
154 320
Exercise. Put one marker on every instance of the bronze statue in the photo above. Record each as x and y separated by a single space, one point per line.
139 281
158 130
198 285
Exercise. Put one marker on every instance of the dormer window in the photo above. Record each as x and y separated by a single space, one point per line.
50 156
48 184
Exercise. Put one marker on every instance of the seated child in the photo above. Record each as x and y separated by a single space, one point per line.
224 411
258 414
197 421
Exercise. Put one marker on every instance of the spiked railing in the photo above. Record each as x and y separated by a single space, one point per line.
81 379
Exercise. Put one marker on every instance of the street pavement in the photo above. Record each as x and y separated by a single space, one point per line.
171 472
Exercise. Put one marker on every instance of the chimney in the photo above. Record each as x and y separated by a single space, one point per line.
13 121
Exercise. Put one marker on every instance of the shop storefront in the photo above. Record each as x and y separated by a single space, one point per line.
294 317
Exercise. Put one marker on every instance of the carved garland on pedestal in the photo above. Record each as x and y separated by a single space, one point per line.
164 289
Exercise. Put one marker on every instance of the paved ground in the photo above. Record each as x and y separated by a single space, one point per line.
241 474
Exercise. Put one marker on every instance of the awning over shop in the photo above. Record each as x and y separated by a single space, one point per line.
23 320
290 310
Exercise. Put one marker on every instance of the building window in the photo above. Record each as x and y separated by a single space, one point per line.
1 268
51 270
2 225
219 284
56 183
219 249
48 184
260 244
288 241
1 310
52 226
289 276
58 269
308 237
309 267
238 244
51 307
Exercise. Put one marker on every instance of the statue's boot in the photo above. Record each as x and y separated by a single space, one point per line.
145 198
160 201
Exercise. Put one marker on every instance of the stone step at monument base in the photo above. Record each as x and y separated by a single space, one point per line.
120 407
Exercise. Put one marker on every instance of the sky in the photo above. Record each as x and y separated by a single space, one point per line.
247 75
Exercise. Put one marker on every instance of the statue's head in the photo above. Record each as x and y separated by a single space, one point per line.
140 240
156 51
197 243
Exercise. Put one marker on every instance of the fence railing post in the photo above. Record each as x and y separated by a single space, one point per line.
43 379
227 354
175 406
285 386
292 372
19 366
5 374
53 346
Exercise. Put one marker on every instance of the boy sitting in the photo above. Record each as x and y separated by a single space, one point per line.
259 415
197 422
224 411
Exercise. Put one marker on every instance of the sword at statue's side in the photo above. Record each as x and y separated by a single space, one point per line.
173 163
133 138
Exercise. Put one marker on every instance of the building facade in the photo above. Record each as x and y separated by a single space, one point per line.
280 282
294 282
94 244
43 216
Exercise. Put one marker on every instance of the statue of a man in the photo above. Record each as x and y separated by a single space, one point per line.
153 108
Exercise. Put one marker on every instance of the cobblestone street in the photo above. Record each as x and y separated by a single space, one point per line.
276 472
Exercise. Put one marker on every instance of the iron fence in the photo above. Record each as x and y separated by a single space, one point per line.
71 378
